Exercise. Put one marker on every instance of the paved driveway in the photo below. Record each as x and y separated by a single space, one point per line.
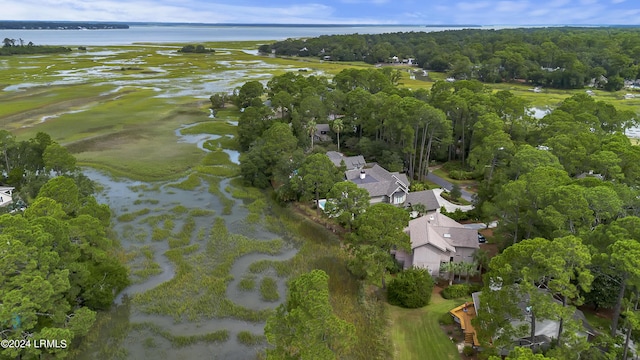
448 186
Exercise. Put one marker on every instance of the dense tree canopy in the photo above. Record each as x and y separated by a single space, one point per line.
305 327
57 265
554 57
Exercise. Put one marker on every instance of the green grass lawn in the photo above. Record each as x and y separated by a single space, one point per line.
464 184
416 333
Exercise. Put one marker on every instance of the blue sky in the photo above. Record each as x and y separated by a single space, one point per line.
482 12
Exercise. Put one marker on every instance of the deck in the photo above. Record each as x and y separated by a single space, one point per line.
464 314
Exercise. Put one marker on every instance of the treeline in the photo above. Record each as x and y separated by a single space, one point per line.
554 57
200 49
59 25
569 181
58 264
18 47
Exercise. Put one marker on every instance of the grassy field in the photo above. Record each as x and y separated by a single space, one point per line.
417 335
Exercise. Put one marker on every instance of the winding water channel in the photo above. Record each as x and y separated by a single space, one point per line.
158 200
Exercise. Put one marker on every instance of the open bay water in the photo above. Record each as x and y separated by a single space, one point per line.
201 33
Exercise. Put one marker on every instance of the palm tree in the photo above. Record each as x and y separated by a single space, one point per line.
451 268
311 127
469 269
481 258
337 127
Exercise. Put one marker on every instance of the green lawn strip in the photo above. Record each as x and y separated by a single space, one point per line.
417 334
444 175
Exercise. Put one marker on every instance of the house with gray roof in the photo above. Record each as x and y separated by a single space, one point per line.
382 185
437 239
322 133
545 330
425 197
351 162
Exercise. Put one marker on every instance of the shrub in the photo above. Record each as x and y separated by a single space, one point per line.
411 289
446 319
455 192
461 175
468 350
460 290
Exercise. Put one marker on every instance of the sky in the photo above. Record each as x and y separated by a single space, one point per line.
400 12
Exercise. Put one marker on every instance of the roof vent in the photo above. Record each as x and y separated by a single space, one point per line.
447 235
362 175
431 217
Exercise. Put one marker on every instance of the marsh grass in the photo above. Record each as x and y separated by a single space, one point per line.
217 157
214 188
190 183
154 220
146 201
269 289
179 341
159 234
240 191
198 290
128 217
282 268
218 170
247 283
183 238
225 142
216 127
201 212
179 209
256 209
249 339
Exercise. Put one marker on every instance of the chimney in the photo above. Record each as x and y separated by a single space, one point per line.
362 175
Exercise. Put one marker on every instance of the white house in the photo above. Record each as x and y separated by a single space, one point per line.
438 239
6 195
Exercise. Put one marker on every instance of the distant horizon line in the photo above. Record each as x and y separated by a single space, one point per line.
165 23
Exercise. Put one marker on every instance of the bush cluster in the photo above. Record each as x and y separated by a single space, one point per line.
411 289
457 291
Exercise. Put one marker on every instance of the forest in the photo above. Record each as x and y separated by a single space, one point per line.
563 188
59 266
18 47
559 57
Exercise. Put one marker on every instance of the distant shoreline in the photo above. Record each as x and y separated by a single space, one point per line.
59 25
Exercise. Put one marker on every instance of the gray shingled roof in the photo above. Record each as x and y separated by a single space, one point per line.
352 162
431 229
425 197
378 181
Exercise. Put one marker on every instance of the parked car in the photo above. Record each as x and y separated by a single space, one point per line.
481 238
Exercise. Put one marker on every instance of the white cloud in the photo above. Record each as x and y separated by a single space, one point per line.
471 6
183 11
376 2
